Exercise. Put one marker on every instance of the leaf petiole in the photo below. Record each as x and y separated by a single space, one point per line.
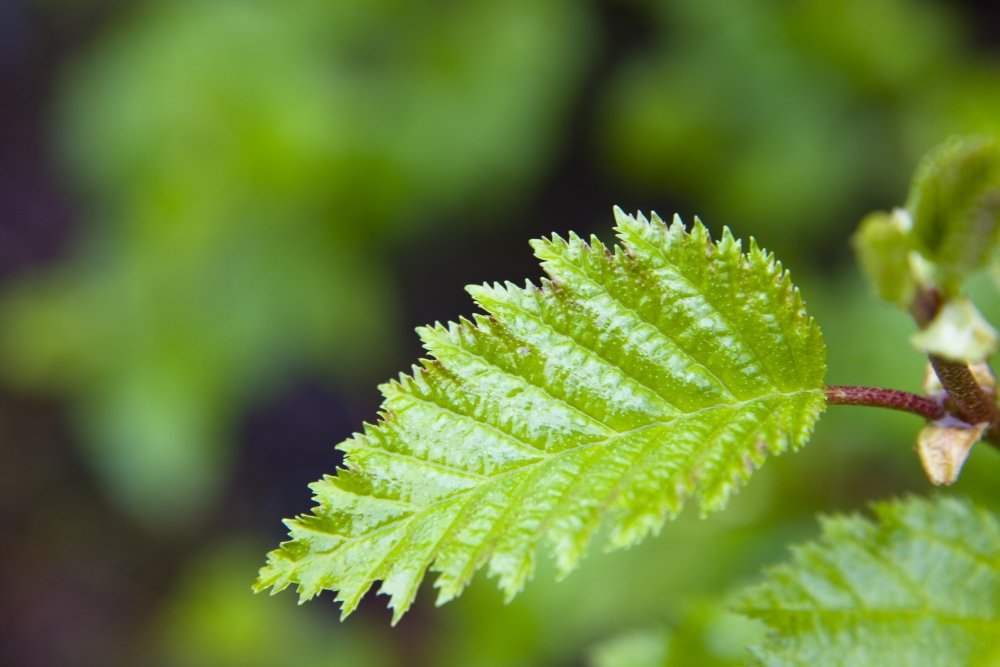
894 399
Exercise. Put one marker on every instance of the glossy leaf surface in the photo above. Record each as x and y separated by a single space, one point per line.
632 379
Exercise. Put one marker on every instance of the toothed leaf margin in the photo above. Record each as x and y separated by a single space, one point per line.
919 586
630 380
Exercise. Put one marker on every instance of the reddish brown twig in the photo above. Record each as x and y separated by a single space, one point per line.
893 399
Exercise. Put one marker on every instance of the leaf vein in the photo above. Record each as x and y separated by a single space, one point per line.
737 331
640 318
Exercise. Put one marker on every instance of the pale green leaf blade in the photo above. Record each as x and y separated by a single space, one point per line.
883 248
632 379
955 204
921 586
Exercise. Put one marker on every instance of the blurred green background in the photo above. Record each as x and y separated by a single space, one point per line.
221 220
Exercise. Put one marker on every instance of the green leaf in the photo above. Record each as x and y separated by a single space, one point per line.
883 248
919 587
632 379
955 203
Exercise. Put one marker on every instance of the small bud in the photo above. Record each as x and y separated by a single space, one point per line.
944 446
958 332
921 268
882 244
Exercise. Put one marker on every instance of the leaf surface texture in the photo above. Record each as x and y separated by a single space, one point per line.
955 202
921 586
631 379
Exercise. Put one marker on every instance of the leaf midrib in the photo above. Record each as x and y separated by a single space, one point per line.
395 523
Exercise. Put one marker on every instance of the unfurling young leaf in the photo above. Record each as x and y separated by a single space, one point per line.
631 379
949 229
955 204
919 587
883 248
